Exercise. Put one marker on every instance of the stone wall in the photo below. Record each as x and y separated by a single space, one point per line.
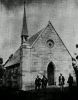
36 59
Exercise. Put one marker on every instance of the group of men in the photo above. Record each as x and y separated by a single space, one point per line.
42 83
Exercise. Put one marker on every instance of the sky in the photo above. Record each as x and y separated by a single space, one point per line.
63 15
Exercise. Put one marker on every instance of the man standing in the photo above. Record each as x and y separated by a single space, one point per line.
44 82
37 83
70 81
61 81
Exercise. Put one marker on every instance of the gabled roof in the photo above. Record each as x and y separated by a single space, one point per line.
13 59
32 40
34 37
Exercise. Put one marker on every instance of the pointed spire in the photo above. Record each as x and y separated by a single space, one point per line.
24 34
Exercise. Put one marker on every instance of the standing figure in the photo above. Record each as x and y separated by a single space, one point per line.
37 83
61 81
44 82
70 81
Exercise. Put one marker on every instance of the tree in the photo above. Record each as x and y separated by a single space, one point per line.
75 66
1 71
1 61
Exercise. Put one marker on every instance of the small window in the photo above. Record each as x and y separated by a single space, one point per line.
50 43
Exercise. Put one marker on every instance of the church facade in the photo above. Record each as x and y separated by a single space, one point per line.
44 53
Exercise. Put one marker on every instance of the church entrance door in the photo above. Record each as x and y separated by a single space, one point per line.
50 73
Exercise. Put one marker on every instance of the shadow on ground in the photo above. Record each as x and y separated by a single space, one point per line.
46 94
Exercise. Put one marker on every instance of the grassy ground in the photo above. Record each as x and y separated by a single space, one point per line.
46 94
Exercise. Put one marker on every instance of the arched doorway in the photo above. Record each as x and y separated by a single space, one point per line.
50 73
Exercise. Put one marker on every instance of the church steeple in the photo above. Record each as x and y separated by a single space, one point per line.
24 34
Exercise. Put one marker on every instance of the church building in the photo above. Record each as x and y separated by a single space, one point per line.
44 53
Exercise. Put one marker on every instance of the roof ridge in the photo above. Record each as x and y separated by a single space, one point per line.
38 37
34 34
34 37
